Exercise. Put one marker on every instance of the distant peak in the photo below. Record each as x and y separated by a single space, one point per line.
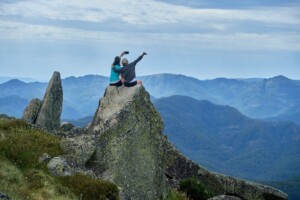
280 78
15 82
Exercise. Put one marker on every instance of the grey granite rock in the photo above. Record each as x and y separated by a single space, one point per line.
179 167
49 114
225 197
66 126
31 111
129 150
81 147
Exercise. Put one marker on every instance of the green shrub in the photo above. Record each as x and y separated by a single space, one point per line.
89 188
176 195
23 146
22 176
194 189
6 124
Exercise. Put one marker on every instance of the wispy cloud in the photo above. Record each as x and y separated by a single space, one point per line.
150 22
142 12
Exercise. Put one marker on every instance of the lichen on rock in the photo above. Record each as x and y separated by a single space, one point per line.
129 146
49 113
31 111
179 167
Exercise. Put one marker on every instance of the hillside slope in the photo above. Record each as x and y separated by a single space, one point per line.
224 140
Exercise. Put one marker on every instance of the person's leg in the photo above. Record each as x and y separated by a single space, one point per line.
131 84
117 84
120 83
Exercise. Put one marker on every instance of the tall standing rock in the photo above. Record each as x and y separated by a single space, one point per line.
31 111
129 143
51 108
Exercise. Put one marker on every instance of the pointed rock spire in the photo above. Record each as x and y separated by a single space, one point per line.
129 143
49 114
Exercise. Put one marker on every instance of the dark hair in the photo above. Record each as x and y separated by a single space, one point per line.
117 60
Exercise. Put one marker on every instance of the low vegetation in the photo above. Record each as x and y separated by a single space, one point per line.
176 195
23 177
194 189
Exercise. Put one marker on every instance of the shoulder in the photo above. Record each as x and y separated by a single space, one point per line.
117 66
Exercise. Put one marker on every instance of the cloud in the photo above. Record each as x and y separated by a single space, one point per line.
149 22
142 12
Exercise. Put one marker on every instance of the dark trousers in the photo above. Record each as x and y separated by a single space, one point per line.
118 84
130 84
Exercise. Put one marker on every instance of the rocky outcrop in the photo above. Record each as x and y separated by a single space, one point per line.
50 111
225 197
124 144
31 111
129 150
46 113
65 166
179 167
81 147
66 126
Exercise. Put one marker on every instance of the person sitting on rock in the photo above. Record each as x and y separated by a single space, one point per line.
115 77
128 71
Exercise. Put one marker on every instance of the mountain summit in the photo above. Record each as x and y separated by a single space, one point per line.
129 141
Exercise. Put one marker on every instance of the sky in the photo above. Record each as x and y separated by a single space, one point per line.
199 38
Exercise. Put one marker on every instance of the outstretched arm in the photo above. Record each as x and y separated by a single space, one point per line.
139 58
122 54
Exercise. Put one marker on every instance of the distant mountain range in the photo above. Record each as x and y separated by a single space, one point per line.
276 98
273 99
224 140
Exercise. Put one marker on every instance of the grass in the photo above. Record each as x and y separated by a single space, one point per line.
194 189
22 177
88 188
176 195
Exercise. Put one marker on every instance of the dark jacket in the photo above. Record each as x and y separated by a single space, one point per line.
128 71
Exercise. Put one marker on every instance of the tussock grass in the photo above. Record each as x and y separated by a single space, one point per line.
22 177
23 145
176 195
88 188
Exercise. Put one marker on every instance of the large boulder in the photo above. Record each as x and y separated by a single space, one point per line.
179 167
129 151
51 108
81 147
31 111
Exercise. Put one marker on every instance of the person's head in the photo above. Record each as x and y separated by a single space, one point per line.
124 61
117 60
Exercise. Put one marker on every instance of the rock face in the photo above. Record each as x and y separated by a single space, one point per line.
31 111
179 167
129 151
81 147
225 197
49 113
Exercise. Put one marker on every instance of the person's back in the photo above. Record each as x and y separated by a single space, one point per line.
114 76
114 79
128 71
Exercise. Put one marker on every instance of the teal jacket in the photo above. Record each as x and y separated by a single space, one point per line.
114 76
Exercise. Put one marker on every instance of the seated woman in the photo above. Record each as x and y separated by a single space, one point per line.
115 79
128 71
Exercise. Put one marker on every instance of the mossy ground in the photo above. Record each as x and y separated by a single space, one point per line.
22 177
